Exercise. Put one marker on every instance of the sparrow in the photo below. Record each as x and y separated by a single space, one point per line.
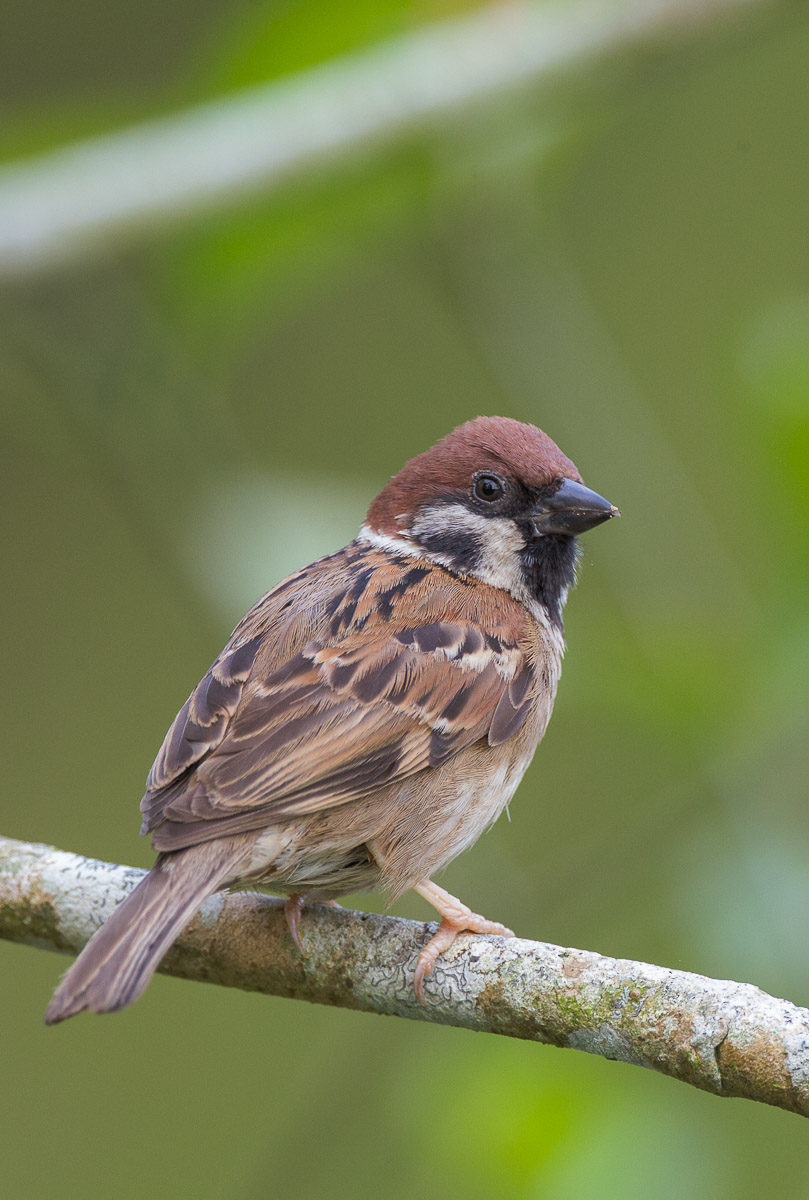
372 714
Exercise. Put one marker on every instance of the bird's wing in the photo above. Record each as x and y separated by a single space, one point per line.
339 719
202 722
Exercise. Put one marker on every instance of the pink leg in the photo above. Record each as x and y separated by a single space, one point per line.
456 918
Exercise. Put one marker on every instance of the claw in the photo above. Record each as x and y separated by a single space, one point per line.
292 912
457 918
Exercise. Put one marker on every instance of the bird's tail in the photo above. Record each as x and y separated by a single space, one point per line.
121 957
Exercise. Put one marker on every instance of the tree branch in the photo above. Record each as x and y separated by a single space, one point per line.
727 1038
66 200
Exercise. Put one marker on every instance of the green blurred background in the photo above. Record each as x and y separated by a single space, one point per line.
621 258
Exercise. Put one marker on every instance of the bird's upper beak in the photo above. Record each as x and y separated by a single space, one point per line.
573 508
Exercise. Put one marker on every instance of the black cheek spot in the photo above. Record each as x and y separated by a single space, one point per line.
461 548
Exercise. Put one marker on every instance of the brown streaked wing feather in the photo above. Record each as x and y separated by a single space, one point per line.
201 723
513 706
351 711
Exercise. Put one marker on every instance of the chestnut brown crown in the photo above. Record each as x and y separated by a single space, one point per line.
511 448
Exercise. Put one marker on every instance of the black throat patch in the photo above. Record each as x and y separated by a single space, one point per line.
546 565
549 570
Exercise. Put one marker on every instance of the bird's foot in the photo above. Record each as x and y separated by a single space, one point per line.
456 918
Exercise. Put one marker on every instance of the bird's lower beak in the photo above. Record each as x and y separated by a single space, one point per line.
573 508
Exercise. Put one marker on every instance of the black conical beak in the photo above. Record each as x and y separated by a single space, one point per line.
573 508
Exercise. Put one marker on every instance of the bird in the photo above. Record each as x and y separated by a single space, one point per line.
371 715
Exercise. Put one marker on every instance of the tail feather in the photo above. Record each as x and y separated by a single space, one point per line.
119 960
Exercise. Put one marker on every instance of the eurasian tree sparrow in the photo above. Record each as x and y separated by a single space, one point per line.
372 714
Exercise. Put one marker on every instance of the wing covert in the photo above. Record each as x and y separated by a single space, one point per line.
200 725
332 724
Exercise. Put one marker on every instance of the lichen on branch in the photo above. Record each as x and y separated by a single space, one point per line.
728 1038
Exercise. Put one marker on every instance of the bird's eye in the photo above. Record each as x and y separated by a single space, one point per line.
488 488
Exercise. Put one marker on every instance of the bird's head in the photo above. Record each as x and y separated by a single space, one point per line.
496 499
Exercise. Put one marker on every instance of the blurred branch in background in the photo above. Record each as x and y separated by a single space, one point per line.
728 1038
53 206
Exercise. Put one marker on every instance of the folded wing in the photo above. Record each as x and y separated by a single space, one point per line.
332 724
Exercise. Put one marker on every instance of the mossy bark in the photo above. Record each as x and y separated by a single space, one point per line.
727 1038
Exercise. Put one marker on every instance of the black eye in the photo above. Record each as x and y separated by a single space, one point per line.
488 488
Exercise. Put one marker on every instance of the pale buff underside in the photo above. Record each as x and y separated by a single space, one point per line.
409 830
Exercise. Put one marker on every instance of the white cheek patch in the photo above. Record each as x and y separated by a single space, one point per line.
498 538
499 563
502 546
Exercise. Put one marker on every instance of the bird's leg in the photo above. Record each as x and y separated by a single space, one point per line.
292 912
455 918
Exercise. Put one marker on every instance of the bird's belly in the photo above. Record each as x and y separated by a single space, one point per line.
476 807
433 821
398 836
